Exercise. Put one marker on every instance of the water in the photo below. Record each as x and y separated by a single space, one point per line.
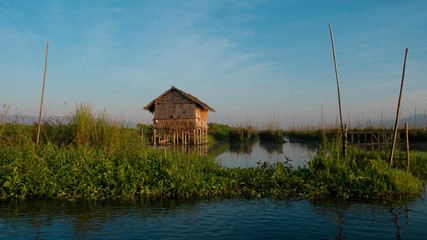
234 218
248 155
220 218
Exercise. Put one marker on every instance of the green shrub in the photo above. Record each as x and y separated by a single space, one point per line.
273 136
219 131
242 134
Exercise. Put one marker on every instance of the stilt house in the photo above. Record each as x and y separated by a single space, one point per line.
179 117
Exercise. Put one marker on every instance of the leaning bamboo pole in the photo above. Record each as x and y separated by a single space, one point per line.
337 77
41 104
396 125
338 86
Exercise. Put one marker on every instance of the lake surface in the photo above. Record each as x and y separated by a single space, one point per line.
248 155
218 218
213 219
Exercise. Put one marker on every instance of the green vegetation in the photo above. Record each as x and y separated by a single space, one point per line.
83 128
87 172
242 134
221 132
93 157
271 136
415 135
318 136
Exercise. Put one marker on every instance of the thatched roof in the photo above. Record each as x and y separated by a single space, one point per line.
152 105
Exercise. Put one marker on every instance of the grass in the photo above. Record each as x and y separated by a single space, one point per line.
94 157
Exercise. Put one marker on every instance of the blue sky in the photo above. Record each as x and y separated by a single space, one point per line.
254 61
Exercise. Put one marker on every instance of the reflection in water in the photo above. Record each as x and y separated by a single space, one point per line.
248 155
364 220
245 155
215 218
241 148
272 148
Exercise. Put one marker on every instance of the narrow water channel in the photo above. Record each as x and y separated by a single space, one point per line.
213 219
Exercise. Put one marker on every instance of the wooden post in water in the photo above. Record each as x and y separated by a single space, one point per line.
174 137
396 124
338 84
345 140
41 104
407 145
424 119
323 126
415 117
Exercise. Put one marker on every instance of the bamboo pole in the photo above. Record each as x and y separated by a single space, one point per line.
345 137
396 125
424 119
323 125
407 145
336 74
415 117
41 103
338 85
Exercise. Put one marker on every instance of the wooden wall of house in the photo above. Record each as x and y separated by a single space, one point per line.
201 117
174 111
205 118
176 124
174 106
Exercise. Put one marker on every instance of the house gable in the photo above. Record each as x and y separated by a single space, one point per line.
174 96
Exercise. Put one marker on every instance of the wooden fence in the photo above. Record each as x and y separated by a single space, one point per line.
376 141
